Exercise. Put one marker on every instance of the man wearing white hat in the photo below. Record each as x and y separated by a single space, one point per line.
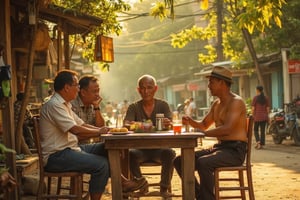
228 114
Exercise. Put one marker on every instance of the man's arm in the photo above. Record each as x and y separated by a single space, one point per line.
87 131
99 120
233 120
206 122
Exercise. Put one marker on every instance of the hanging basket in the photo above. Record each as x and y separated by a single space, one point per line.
42 38
44 3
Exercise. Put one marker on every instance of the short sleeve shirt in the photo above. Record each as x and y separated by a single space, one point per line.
56 119
260 111
135 111
86 113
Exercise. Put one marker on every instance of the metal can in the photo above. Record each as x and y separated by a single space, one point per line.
159 121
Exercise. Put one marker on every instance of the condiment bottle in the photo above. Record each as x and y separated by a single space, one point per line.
159 121
119 123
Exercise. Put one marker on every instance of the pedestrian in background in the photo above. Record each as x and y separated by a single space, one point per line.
192 109
186 107
260 111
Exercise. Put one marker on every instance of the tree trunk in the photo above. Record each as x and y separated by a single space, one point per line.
220 55
21 145
252 51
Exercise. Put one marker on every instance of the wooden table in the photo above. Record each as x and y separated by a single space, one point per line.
185 141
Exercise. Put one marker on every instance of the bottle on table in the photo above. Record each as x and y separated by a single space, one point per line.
160 121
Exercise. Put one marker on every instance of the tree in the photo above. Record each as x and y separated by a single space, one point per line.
288 35
144 47
250 17
104 9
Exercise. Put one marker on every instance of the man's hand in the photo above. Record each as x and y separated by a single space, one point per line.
167 122
103 130
186 120
97 102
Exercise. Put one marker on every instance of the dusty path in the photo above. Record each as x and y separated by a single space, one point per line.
276 173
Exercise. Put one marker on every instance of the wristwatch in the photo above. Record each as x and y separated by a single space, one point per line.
97 108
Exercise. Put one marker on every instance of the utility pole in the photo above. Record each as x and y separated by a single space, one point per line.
285 75
220 55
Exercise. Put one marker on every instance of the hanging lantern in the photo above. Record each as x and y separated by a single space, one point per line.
104 50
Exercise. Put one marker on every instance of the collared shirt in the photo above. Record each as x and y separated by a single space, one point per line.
56 119
86 113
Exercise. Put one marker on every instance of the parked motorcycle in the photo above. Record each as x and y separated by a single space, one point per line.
285 124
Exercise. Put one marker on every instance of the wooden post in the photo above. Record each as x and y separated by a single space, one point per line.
59 47
7 115
66 47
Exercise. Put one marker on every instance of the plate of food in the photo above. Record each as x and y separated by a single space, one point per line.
143 127
119 131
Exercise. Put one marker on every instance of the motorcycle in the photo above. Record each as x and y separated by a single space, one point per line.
285 124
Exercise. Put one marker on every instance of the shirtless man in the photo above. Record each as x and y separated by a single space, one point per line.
228 114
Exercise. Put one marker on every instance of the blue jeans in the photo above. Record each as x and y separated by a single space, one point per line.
163 156
260 127
91 160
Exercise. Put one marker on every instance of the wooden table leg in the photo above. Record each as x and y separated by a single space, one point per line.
188 171
125 163
115 170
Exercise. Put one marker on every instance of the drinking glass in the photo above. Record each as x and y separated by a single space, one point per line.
177 123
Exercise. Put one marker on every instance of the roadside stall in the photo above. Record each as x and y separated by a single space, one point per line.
28 60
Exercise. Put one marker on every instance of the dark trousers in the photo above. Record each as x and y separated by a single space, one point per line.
227 153
163 156
260 132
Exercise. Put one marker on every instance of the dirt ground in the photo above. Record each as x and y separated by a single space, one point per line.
276 173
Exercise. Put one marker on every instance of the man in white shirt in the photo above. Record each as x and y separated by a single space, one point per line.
61 129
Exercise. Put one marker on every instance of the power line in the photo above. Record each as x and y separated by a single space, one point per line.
161 52
145 43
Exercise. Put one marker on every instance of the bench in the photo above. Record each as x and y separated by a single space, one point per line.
23 167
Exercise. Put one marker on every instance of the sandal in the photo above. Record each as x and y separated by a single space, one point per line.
258 146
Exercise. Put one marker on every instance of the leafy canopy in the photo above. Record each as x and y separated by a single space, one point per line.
253 15
104 9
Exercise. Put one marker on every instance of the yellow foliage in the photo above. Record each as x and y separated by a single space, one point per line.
204 4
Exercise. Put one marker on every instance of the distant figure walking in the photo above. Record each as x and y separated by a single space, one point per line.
192 108
260 111
186 107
